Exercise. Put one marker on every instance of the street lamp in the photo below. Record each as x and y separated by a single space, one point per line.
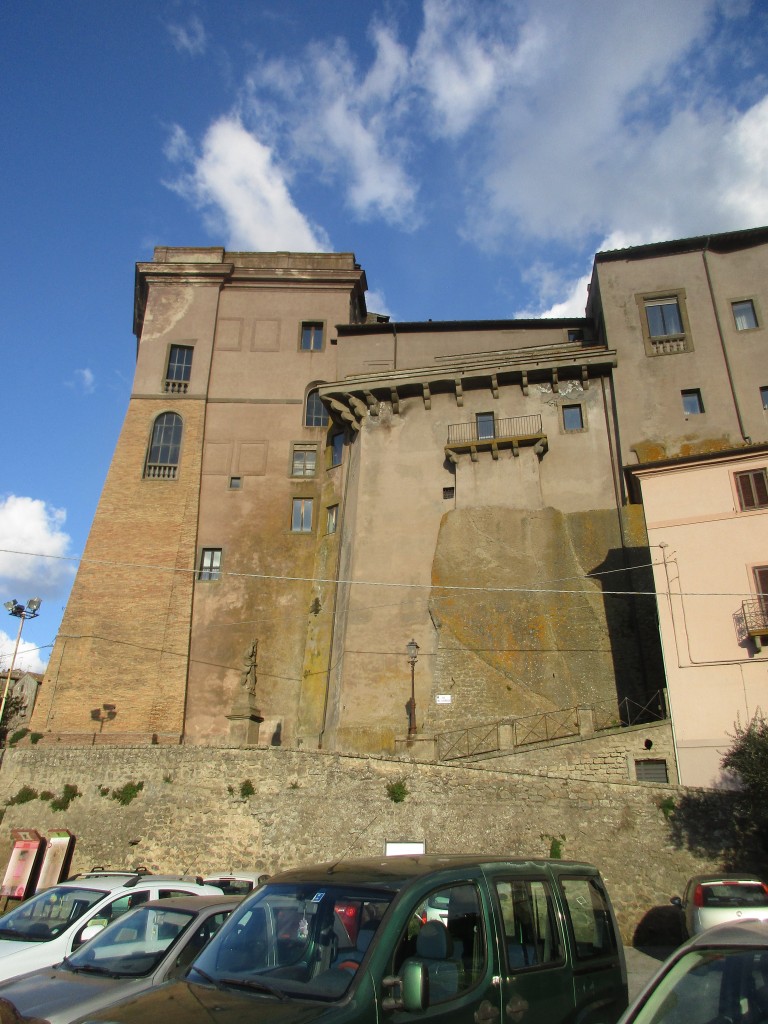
413 656
20 612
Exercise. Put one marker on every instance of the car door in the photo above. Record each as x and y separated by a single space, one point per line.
458 954
536 981
110 911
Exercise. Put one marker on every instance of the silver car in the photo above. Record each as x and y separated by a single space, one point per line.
143 948
717 898
718 976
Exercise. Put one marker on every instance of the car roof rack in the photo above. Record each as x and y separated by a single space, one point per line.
99 871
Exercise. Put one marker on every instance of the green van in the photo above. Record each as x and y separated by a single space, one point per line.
459 940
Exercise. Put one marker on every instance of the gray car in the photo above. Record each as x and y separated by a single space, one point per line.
716 977
143 948
718 898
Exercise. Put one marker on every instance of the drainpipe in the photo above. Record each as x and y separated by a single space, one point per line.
745 438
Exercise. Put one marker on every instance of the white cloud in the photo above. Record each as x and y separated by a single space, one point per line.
245 194
28 657
31 526
86 379
376 303
189 38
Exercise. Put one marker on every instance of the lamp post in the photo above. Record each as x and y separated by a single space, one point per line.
22 613
413 655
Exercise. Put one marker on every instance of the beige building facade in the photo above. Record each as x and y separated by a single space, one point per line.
302 487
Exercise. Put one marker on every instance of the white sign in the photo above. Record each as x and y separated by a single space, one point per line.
443 698
403 849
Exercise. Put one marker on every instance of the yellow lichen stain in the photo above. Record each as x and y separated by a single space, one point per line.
704 445
649 451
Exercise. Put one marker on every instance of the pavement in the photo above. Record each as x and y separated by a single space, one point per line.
642 964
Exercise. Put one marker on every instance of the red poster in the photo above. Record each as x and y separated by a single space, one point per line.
22 867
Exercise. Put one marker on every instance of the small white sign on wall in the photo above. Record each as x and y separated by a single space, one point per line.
443 698
406 849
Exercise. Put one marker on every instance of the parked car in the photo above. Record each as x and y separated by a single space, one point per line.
718 976
524 940
716 899
142 948
236 883
49 926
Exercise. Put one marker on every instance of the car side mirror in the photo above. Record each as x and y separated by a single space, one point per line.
88 933
676 902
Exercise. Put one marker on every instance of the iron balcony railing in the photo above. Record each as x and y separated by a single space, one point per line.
510 429
756 616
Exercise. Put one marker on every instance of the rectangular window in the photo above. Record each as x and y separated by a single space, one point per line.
764 397
761 580
333 519
311 336
486 428
304 460
301 516
573 417
235 483
449 492
651 771
179 369
663 317
692 403
337 449
590 918
753 489
744 315
531 934
210 564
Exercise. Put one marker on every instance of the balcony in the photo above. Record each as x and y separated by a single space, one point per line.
755 614
493 435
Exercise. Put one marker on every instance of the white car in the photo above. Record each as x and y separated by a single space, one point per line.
142 949
717 898
44 929
236 883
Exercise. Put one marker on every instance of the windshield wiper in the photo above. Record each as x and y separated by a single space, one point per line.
207 977
12 933
91 969
252 983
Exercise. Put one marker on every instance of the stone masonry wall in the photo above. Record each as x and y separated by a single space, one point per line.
189 815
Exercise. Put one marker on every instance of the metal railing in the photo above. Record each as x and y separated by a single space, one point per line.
478 739
511 427
755 614
549 725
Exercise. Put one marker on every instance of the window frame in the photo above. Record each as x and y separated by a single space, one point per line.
208 565
483 422
665 344
747 301
582 418
336 447
311 329
332 519
756 480
692 393
178 383
552 918
167 469
319 419
301 523
764 397
303 448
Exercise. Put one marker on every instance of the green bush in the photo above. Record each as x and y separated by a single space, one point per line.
397 791
128 792
25 794
69 793
17 736
35 737
246 789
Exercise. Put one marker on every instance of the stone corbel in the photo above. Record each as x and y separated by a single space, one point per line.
344 413
524 382
361 409
373 405
541 447
494 385
584 378
395 399
427 396
555 379
459 392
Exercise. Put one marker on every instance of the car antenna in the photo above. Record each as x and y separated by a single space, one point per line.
349 849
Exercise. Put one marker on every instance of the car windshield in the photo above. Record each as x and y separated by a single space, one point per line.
49 913
133 945
304 941
709 985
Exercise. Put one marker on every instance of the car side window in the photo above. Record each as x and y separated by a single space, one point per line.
589 918
531 935
166 894
446 934
111 911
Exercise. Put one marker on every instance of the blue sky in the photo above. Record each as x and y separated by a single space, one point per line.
473 154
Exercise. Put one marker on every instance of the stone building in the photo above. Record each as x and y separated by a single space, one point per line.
302 487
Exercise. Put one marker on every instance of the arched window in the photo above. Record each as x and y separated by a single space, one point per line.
163 455
316 413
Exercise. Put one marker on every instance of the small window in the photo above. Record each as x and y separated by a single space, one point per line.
179 369
164 448
651 771
692 403
333 519
337 449
664 318
753 489
575 334
764 397
301 516
573 417
486 428
744 315
449 492
210 564
304 460
311 336
235 483
316 414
